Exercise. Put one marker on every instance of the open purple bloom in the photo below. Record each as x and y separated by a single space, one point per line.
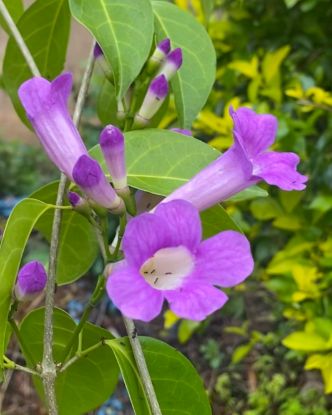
165 259
247 162
31 280
45 104
88 174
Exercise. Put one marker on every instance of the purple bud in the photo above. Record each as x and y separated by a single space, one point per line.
97 51
31 280
112 145
76 200
182 131
164 46
172 63
153 100
88 174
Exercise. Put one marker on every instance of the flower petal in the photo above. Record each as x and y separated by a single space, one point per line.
144 235
183 219
195 301
279 169
132 295
255 132
225 259
62 86
33 94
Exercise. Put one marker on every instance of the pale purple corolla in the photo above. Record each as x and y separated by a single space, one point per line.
172 64
112 144
89 176
166 259
182 131
246 163
154 98
46 106
31 280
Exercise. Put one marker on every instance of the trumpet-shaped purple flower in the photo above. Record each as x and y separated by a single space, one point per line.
31 280
247 162
165 259
45 104
88 174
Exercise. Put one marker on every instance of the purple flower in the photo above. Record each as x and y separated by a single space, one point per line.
247 162
31 280
165 259
161 51
45 104
182 131
172 63
113 147
155 96
88 174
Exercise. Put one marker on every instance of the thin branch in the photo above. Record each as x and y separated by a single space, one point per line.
48 365
9 364
80 354
19 39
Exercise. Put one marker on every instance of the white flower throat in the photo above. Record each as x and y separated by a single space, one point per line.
167 268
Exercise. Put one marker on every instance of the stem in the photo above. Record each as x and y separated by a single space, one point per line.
9 364
97 294
80 354
21 342
19 39
123 222
141 365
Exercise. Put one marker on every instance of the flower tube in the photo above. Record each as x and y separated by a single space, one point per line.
172 64
89 176
159 54
45 104
246 163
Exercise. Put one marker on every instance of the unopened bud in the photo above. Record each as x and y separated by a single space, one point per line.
89 176
113 147
154 98
182 131
31 280
159 55
172 63
97 51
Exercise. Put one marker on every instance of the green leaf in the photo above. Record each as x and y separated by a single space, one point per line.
265 209
78 246
207 6
324 363
178 386
306 342
247 194
215 220
193 82
18 228
159 161
45 29
88 382
186 329
124 30
241 352
15 9
106 104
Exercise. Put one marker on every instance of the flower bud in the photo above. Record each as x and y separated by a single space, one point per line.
31 280
172 64
97 51
112 145
182 131
89 176
154 98
159 55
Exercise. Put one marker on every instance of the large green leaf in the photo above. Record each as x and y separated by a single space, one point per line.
124 30
78 246
159 161
15 9
18 228
45 29
178 386
215 220
193 82
87 383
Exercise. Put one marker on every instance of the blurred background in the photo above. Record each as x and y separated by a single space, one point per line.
269 350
